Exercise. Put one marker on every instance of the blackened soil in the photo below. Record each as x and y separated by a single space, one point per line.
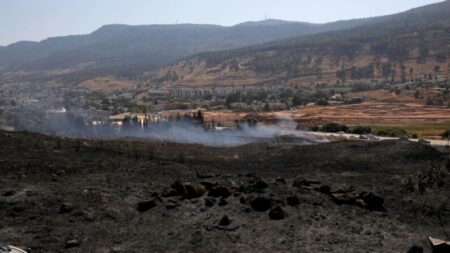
65 195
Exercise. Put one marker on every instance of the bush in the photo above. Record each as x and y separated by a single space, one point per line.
322 102
333 128
389 132
361 130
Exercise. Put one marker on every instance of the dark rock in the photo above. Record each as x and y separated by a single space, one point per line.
317 203
225 221
415 249
89 216
325 189
19 209
171 205
260 185
188 190
194 201
280 180
251 174
197 237
209 202
277 213
219 191
194 190
292 201
241 188
179 188
208 185
361 203
204 175
302 182
223 202
146 205
233 185
169 193
261 204
340 198
374 202
8 193
243 200
73 243
65 208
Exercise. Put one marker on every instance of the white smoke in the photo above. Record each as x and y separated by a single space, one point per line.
186 133
75 124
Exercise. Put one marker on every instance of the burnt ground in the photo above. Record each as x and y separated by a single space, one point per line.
65 195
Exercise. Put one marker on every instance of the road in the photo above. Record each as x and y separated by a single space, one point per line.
357 136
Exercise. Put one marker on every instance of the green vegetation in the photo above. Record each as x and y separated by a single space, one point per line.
389 131
375 130
333 128
360 130
384 131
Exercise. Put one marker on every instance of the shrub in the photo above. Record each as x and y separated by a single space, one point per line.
333 128
361 130
389 132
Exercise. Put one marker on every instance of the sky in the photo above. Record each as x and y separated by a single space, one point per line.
39 19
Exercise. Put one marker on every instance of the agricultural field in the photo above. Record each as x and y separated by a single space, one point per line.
425 121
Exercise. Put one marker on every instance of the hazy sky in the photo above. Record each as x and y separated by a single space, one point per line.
39 19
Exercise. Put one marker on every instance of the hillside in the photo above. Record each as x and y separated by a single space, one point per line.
146 46
402 47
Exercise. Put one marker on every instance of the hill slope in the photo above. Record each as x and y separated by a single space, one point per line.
395 48
149 45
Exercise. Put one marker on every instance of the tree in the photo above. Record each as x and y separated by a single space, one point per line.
333 128
126 122
135 121
361 130
199 117
437 69
296 101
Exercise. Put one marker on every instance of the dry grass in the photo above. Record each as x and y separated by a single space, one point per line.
425 121
405 96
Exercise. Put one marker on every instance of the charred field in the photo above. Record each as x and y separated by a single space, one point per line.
72 195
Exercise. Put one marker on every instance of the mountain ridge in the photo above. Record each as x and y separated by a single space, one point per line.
124 45
392 48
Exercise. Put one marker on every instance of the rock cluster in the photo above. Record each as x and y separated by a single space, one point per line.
256 195
349 196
